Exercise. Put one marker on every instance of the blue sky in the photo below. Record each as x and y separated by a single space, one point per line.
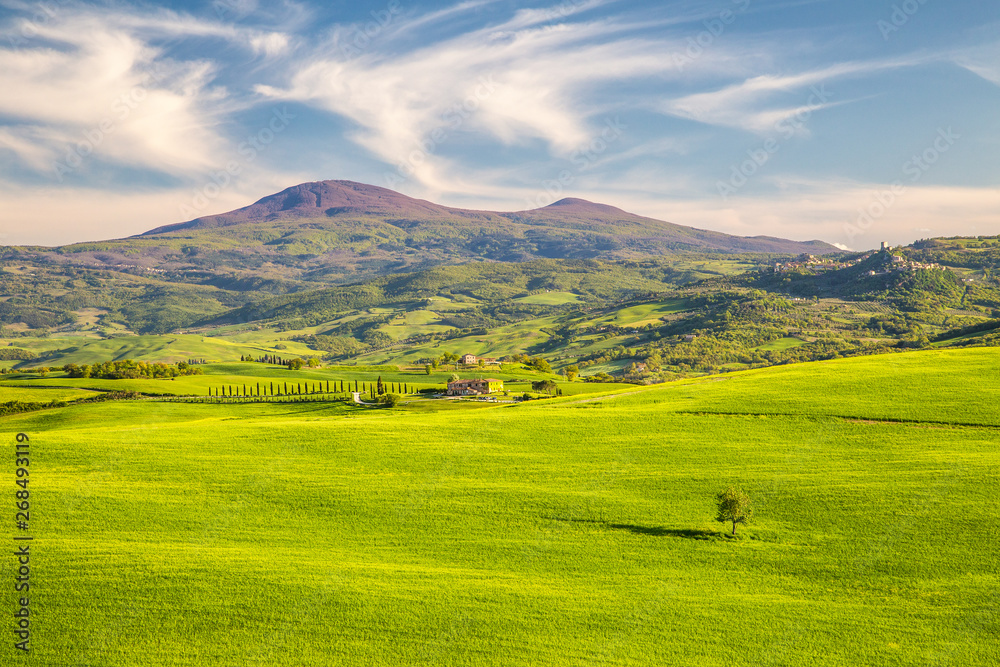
846 120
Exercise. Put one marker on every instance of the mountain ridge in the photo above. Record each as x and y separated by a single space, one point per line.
338 198
334 231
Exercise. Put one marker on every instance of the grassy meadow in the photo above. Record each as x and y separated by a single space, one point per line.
570 531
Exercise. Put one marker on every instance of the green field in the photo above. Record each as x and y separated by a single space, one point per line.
649 313
168 349
571 531
550 299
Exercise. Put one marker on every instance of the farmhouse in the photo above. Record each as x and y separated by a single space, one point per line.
474 387
472 360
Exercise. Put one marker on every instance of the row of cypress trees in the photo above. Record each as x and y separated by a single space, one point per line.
301 388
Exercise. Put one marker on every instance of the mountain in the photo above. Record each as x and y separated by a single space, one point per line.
337 231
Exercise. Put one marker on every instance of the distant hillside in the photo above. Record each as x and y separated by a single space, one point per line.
340 231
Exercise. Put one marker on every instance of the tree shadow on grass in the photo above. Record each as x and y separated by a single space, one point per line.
659 531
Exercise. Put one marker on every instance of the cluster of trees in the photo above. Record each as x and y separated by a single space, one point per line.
446 358
127 369
535 363
334 346
297 363
293 364
16 354
272 359
547 386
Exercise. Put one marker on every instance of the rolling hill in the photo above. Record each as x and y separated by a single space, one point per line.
570 531
341 231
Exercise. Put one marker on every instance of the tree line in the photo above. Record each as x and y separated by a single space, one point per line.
285 388
126 369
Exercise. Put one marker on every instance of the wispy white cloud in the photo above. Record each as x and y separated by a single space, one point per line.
471 102
93 86
984 61
750 104
531 78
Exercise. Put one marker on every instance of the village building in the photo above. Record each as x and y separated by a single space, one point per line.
475 387
468 359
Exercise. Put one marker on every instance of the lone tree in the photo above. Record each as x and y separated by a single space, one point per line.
389 400
548 386
735 506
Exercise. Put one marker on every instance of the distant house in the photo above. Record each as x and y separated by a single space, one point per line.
488 361
475 387
468 359
689 338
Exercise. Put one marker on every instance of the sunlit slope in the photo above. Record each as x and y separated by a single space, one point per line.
953 386
552 533
169 348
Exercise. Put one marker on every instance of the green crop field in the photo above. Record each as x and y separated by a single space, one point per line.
550 299
37 393
637 316
572 531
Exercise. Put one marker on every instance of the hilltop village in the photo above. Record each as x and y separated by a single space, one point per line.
892 263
